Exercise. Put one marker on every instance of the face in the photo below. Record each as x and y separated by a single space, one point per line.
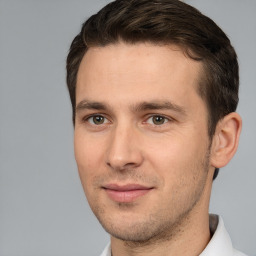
141 138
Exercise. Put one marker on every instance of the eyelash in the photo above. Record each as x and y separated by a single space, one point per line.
162 117
87 118
148 117
95 116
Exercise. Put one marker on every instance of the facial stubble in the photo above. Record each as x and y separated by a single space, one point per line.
160 225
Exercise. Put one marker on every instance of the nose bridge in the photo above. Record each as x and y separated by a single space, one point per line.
123 149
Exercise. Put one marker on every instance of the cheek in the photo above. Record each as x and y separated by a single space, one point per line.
87 155
172 151
177 158
87 149
181 167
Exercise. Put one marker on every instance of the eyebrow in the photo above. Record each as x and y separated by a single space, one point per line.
155 105
143 106
86 104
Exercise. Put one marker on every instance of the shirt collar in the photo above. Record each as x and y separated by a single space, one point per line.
107 251
220 243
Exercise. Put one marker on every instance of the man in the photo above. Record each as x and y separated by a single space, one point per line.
154 87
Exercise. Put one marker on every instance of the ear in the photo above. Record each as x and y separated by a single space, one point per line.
225 140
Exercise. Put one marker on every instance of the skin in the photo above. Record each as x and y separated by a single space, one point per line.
140 121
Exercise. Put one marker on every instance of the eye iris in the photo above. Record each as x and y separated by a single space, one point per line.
98 119
158 120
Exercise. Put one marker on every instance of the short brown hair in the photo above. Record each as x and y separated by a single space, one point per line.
165 22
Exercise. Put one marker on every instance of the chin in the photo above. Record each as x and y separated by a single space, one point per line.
138 230
132 235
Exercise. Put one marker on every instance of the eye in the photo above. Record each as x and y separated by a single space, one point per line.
97 120
157 120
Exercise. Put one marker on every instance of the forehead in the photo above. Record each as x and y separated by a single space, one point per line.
143 69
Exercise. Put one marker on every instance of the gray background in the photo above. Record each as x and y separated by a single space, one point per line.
43 210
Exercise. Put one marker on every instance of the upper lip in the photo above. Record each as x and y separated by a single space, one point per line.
127 187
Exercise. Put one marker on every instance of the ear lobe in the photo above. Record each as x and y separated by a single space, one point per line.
225 140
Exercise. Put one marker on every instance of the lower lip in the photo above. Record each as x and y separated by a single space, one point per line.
126 196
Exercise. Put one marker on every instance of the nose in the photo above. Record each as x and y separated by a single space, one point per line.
124 149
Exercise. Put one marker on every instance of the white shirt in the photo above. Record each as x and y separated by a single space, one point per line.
219 245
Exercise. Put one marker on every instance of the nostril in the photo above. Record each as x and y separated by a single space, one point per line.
123 149
125 163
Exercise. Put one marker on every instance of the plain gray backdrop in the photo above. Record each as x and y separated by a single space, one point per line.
43 210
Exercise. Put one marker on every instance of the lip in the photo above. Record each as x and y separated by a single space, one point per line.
126 193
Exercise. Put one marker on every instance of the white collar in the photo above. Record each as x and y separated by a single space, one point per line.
220 243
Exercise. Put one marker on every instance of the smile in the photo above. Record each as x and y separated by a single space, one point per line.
127 193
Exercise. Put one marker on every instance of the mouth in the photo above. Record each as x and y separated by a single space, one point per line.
126 193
